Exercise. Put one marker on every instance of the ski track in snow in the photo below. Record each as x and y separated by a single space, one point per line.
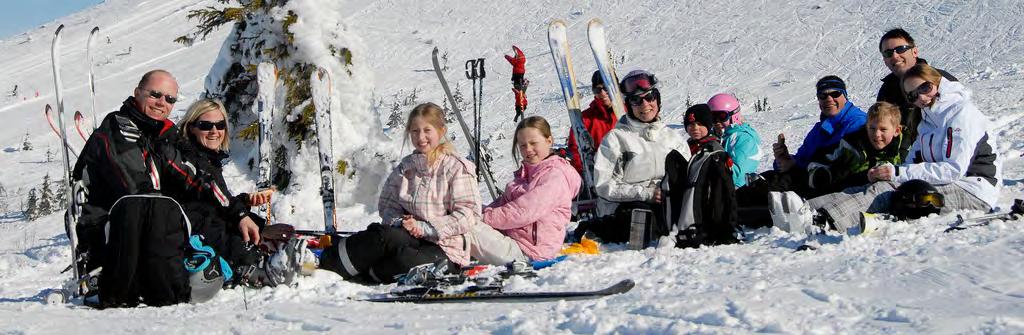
903 279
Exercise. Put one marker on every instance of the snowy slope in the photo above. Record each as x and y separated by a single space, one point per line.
905 279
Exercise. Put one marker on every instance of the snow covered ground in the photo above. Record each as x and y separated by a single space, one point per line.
903 279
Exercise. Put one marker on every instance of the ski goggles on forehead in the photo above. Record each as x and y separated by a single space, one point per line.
639 83
925 87
898 50
157 95
207 125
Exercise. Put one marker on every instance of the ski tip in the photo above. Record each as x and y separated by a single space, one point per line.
557 22
94 30
59 28
48 108
78 115
595 22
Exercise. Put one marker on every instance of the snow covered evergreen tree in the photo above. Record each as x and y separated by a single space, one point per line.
31 206
46 198
26 145
298 36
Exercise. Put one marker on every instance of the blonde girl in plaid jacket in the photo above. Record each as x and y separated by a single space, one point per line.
429 203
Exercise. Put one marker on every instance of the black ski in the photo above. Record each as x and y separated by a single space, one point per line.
488 295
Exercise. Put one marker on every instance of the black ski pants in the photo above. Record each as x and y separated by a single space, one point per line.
381 253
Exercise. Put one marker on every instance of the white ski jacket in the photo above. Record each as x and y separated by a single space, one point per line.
955 144
631 161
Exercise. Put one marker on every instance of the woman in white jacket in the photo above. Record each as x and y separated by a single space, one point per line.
631 160
955 151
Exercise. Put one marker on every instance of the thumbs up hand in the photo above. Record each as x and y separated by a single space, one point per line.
783 160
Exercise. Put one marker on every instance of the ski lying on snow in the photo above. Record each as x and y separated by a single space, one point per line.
500 296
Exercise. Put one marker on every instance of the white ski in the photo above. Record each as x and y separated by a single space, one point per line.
559 44
320 88
266 79
599 46
92 77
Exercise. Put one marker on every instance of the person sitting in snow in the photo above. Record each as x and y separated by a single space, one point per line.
630 162
598 119
955 151
739 139
429 204
879 142
528 221
701 192
900 53
839 117
128 178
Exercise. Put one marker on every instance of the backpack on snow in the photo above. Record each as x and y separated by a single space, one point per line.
701 198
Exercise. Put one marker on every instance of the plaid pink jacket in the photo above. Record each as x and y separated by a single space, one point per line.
445 195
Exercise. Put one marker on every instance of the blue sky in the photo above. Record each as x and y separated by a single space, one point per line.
19 16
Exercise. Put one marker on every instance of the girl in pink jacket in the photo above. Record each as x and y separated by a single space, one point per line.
429 204
528 221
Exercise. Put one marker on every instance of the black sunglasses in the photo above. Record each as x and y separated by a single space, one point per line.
925 87
637 100
833 94
900 50
597 89
207 125
157 95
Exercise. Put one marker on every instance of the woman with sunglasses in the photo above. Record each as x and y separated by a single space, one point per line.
630 162
955 151
205 131
739 139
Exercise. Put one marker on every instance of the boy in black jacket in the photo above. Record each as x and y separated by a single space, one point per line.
701 192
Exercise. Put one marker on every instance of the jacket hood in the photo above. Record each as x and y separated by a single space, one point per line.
647 131
553 162
146 124
740 128
947 104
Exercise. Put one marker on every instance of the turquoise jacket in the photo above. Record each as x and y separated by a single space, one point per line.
743 144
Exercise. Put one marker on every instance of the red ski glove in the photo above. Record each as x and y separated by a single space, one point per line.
518 61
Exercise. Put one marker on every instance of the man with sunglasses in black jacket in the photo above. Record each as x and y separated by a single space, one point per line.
129 223
900 53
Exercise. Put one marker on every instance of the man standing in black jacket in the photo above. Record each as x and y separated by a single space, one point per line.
130 224
900 54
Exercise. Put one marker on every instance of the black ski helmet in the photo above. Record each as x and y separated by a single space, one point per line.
915 199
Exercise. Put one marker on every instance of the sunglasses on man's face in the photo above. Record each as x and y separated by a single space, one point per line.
637 100
598 89
924 88
157 95
207 125
833 94
899 50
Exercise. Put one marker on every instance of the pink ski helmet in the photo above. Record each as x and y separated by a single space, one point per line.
724 106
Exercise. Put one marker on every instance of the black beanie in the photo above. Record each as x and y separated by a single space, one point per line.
596 79
699 113
830 83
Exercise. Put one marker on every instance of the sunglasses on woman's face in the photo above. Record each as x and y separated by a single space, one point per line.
637 100
924 88
207 125
899 50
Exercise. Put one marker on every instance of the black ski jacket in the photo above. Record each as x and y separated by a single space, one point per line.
209 219
131 153
892 92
